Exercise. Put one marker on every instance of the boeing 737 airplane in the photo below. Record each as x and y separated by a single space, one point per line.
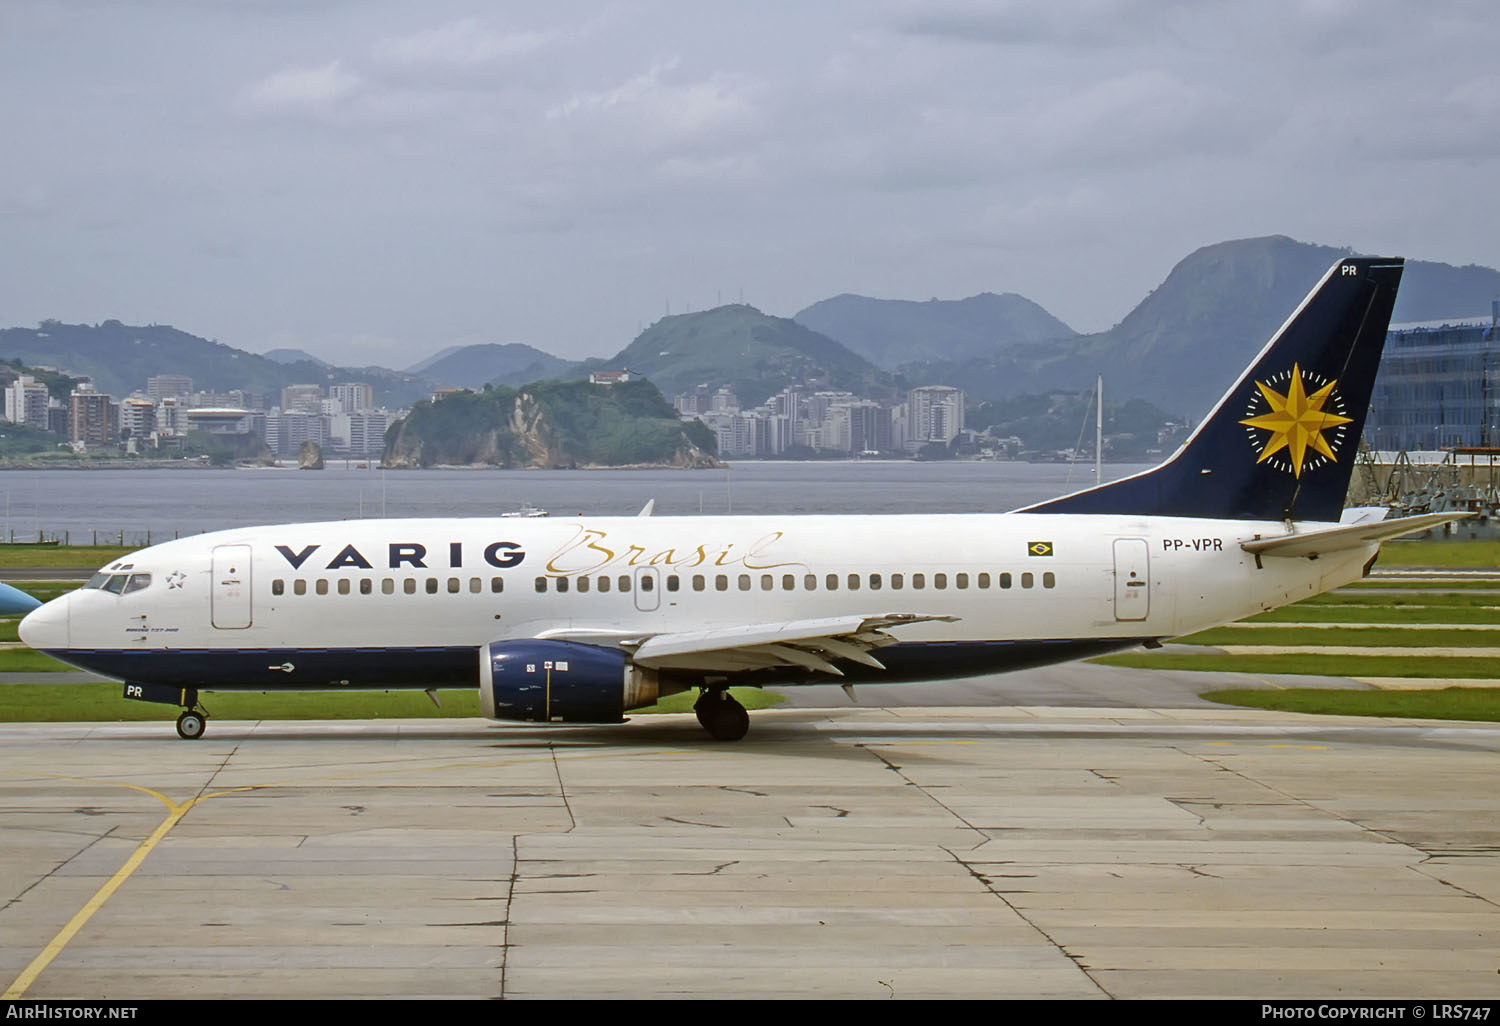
583 619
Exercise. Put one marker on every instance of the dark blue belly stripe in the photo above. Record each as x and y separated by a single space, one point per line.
277 669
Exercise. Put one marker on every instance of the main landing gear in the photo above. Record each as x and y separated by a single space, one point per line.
721 715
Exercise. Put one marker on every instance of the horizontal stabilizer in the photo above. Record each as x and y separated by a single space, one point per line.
1335 539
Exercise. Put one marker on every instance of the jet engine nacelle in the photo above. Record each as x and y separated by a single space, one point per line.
561 681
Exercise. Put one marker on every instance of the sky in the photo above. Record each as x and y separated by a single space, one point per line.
374 181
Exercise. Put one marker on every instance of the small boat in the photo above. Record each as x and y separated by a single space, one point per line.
526 510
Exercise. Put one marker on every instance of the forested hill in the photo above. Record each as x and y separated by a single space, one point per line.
550 424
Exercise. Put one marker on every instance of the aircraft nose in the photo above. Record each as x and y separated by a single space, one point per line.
47 627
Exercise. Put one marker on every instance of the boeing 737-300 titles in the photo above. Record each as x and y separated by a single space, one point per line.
584 619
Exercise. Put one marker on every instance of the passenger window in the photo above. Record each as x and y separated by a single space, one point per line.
387 586
831 582
604 583
497 585
409 586
1026 580
788 582
1005 580
453 585
624 582
299 586
674 582
767 582
918 581
854 582
940 581
983 581
321 586
744 582
562 585
366 586
961 580
810 582
475 586
721 582
344 586
698 582
897 580
1049 580
541 585
432 586
278 587
648 583
874 582
583 585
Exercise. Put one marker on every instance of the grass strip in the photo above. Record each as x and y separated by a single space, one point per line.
1423 599
25 660
63 555
1485 615
1460 585
103 703
1479 554
1343 635
1425 667
1438 704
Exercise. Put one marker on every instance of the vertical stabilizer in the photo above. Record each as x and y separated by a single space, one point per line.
1280 444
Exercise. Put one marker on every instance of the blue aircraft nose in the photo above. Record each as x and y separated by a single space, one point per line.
14 601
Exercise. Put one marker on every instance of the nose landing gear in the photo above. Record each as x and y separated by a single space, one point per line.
191 724
194 718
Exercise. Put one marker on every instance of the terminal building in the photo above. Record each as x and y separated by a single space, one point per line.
1438 387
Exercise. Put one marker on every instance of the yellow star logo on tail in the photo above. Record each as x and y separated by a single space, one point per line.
1296 421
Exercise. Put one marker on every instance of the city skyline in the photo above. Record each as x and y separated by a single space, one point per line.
375 182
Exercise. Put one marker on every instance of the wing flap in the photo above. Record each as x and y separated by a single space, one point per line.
810 644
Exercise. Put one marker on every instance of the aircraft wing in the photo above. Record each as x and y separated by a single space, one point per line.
812 644
1334 539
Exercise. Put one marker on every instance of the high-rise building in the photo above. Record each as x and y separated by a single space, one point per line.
138 416
353 396
164 386
26 402
302 399
90 423
934 413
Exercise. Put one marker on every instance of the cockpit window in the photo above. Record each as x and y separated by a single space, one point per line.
119 584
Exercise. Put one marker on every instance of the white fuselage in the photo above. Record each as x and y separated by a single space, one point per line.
378 593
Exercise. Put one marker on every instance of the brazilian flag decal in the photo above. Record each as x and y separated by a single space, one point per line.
1039 548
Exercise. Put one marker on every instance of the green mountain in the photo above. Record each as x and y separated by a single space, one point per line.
892 332
755 354
1182 346
120 357
512 363
550 424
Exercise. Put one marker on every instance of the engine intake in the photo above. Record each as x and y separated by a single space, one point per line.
561 682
